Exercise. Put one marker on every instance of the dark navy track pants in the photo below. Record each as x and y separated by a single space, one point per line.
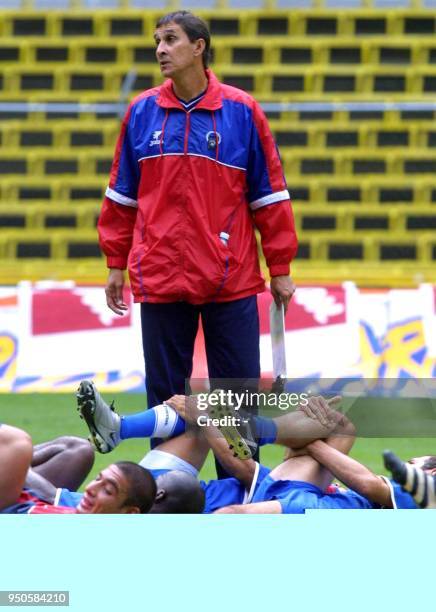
231 334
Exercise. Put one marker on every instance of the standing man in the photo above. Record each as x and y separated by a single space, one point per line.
195 170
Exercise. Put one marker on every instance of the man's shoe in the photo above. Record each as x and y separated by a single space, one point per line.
237 430
102 420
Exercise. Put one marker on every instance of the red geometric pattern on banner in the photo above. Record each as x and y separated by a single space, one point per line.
62 310
302 315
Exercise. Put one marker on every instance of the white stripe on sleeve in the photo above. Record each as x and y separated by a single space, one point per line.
249 494
120 199
272 198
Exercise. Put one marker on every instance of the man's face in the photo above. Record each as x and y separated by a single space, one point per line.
106 494
175 52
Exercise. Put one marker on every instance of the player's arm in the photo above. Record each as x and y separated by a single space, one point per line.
270 206
188 409
275 223
267 507
15 459
352 473
118 215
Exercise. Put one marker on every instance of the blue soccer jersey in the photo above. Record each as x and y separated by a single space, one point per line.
295 497
218 493
230 491
312 498
226 492
401 500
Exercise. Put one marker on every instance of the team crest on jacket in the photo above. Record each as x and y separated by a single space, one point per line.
212 139
155 139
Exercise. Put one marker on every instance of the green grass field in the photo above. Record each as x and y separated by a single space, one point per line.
46 416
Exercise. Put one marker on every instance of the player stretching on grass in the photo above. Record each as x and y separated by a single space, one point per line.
302 482
175 465
121 488
294 486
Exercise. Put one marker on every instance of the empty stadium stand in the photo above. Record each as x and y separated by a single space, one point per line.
362 181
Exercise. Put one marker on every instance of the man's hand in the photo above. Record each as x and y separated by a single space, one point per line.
282 289
114 291
319 409
186 407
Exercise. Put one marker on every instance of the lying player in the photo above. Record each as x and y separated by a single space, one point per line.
121 488
299 482
68 460
60 466
65 462
188 453
172 486
280 493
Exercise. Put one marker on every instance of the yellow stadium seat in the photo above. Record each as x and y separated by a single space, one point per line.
362 182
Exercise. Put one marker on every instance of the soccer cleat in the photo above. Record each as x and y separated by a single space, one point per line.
236 428
420 485
102 420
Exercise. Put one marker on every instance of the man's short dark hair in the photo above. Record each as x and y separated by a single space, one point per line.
194 28
430 463
141 485
178 493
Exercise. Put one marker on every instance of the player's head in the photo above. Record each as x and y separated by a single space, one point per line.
426 463
182 32
121 488
178 493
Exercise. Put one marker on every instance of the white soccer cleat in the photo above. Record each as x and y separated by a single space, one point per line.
102 420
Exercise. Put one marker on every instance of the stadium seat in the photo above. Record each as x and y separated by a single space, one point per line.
361 180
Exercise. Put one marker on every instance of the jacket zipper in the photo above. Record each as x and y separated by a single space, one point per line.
187 128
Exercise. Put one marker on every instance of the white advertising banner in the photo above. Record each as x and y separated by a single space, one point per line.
54 334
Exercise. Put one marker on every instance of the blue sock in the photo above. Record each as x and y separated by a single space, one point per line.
266 430
158 422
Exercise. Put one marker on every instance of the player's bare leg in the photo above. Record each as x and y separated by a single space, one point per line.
15 458
65 461
312 421
341 437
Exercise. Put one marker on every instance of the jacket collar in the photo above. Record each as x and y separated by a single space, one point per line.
212 99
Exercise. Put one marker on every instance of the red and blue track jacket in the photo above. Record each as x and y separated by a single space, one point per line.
186 190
